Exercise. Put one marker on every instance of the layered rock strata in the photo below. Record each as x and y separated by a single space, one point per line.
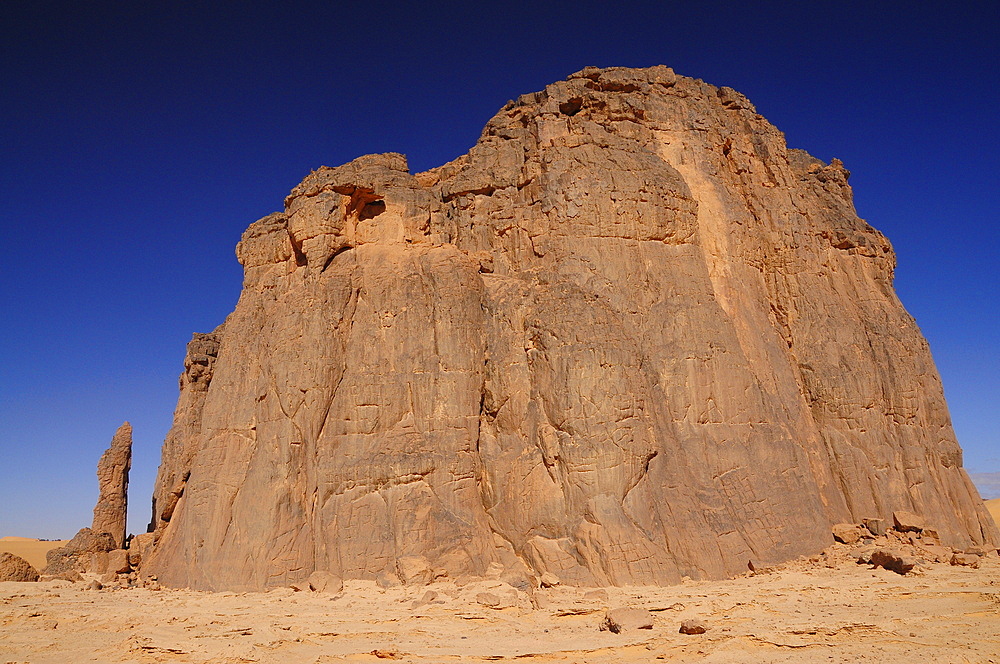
629 337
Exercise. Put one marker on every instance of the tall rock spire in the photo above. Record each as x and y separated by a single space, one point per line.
112 476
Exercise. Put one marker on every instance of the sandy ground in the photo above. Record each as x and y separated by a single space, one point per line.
31 550
833 610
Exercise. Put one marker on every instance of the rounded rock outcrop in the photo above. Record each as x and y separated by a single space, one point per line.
16 568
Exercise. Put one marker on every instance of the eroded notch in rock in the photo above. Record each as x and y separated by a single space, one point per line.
371 210
571 107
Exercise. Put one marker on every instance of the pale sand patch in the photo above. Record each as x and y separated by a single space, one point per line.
31 550
994 509
803 612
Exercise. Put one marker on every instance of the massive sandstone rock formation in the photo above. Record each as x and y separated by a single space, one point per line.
630 336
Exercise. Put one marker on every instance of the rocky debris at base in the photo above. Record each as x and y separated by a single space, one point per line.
16 568
625 618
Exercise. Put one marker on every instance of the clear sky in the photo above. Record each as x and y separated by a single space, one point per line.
139 139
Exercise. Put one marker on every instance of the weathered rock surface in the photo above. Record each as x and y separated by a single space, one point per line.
626 619
693 626
16 568
893 560
112 476
847 533
629 337
76 555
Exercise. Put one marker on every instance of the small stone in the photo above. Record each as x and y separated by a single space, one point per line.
965 560
875 526
488 599
96 585
865 556
907 522
427 598
693 626
549 580
624 618
847 533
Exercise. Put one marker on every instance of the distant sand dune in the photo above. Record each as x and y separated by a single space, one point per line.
31 550
994 507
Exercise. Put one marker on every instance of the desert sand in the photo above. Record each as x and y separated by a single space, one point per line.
827 609
993 506
30 549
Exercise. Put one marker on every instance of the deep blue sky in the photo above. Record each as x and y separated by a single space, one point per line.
138 140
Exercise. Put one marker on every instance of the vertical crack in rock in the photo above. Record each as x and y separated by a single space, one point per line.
630 336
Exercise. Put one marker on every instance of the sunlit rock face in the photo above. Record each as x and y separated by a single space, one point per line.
629 337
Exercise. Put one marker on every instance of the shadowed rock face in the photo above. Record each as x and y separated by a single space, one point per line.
629 337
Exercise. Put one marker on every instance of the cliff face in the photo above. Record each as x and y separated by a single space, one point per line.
630 336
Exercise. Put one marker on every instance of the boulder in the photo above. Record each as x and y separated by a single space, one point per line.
68 557
95 563
139 548
325 582
548 580
965 560
848 533
488 599
875 526
414 570
907 522
118 562
893 560
16 568
626 619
